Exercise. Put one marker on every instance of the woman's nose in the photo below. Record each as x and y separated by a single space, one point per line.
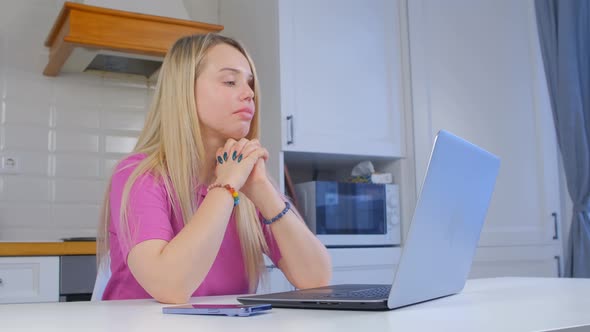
248 94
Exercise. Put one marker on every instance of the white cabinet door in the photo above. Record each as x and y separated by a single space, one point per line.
277 282
29 279
514 261
274 280
340 76
480 76
364 265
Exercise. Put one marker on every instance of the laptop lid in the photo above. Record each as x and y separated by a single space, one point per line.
447 222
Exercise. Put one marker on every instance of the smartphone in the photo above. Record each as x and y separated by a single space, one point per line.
217 309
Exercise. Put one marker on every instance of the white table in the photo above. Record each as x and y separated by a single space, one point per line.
500 304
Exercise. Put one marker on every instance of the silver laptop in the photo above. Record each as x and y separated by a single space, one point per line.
441 242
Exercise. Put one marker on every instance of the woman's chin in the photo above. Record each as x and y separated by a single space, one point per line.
235 130
238 134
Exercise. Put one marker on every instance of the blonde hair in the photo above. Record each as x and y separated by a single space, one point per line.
172 140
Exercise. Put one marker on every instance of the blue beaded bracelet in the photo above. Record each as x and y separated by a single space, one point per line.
278 216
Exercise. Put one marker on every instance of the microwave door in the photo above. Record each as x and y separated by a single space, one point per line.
350 214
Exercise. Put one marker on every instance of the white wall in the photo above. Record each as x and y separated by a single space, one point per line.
65 131
202 10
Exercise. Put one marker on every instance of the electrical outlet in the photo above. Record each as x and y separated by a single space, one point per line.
9 165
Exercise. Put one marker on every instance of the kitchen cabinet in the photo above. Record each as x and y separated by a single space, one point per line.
339 76
481 77
47 271
518 261
29 279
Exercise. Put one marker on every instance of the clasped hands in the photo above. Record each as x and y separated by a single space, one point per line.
241 164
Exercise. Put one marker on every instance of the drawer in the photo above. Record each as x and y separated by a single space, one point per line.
29 279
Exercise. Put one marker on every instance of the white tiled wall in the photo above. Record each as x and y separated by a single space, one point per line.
67 132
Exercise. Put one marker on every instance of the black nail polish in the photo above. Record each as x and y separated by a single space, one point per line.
219 160
225 156
234 155
240 157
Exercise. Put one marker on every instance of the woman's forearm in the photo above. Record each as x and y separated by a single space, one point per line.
305 260
183 263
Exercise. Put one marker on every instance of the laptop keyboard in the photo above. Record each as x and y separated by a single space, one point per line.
377 292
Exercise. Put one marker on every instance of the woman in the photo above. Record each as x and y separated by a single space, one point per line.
191 211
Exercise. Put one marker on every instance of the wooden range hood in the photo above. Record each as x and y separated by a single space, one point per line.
87 37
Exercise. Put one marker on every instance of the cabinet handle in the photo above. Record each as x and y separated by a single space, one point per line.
555 234
1 282
558 258
290 135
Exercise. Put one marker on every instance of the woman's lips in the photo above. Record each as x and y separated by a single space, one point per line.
245 113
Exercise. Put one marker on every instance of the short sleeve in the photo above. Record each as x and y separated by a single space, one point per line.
274 252
148 210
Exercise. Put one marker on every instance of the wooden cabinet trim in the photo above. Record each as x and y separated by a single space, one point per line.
47 248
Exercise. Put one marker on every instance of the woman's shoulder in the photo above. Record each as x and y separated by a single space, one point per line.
130 161
122 171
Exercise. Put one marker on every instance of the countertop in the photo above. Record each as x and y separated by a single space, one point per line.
496 304
47 248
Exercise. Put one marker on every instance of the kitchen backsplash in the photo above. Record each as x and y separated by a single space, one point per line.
66 132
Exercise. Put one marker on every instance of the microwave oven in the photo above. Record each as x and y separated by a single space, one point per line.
351 214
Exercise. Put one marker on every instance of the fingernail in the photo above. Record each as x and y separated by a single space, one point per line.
234 155
240 157
219 160
225 156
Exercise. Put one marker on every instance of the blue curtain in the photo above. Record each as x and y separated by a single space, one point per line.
564 34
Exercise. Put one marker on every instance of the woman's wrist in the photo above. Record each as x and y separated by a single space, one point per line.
278 216
227 188
229 181
268 201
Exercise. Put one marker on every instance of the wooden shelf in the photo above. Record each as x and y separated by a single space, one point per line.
80 25
47 248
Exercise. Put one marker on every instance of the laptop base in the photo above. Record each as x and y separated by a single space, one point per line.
329 297
331 305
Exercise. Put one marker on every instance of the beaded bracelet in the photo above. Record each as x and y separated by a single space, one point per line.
278 216
232 191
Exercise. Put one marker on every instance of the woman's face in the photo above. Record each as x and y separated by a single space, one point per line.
224 94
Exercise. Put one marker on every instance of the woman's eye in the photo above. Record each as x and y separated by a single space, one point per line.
230 83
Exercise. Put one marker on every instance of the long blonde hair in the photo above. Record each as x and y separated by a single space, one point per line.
172 140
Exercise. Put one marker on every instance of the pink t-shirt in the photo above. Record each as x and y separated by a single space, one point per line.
150 217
